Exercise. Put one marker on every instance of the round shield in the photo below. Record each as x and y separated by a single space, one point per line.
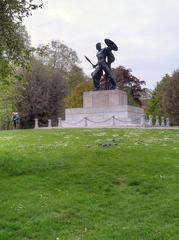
111 44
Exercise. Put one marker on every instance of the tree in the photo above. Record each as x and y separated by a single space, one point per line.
153 106
57 55
42 92
146 96
169 98
7 105
75 98
40 95
13 48
75 77
129 83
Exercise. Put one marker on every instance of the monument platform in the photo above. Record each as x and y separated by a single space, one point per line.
104 108
105 98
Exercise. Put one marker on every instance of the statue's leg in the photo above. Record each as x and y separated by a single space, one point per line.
96 75
108 72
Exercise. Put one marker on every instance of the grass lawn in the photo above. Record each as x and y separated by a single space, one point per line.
91 184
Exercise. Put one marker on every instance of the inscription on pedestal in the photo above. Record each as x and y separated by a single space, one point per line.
108 98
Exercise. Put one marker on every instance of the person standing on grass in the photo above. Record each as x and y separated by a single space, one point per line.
15 119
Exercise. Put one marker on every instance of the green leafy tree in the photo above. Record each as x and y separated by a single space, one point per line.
75 98
153 106
59 56
13 44
7 104
75 77
40 95
46 84
169 98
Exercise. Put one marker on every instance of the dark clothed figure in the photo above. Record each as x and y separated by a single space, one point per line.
15 119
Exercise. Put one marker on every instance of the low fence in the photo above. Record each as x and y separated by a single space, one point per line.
112 121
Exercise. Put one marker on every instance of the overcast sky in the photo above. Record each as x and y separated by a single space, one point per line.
146 32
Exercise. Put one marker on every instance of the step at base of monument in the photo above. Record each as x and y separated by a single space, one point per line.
110 123
106 116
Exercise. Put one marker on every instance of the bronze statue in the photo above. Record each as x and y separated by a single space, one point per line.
105 59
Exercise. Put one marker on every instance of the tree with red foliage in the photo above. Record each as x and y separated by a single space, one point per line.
127 82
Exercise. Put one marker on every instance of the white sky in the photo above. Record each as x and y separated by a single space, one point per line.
146 32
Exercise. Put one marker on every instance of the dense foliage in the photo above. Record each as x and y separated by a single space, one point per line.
15 51
165 99
7 104
169 98
40 95
39 91
13 42
153 106
58 56
129 83
75 98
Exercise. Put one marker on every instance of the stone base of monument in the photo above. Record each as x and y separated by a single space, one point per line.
103 109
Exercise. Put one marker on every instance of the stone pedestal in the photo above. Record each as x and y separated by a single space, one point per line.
104 108
110 98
